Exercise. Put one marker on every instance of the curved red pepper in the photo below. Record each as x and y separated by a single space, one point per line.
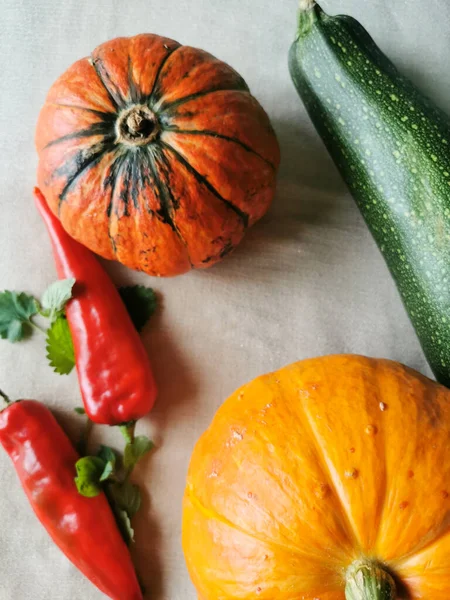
83 528
114 371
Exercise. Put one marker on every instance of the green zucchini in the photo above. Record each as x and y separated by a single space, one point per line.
391 146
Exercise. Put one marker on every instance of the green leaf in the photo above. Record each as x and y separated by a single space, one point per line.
127 496
140 302
89 471
109 457
59 347
124 523
107 454
56 297
107 472
135 450
16 311
79 410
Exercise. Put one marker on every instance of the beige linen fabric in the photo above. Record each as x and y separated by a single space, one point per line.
307 280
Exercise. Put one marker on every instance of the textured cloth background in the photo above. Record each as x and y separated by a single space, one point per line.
308 279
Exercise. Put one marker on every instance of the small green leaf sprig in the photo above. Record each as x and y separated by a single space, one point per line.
109 473
18 311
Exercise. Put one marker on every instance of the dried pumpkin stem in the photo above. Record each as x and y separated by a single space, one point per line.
135 122
367 580
137 126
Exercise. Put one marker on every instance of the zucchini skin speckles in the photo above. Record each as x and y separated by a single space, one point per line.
391 146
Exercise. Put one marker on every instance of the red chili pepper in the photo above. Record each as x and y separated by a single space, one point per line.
114 371
83 528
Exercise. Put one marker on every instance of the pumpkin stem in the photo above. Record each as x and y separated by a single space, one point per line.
367 580
137 126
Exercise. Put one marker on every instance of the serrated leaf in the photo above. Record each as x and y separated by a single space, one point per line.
109 457
135 450
17 331
127 496
56 297
60 352
140 302
89 470
16 311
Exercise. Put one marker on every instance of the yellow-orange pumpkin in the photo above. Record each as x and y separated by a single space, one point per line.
155 154
306 471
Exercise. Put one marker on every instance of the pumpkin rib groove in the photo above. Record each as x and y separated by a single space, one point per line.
220 136
211 513
201 179
105 116
150 101
383 483
127 167
144 180
309 551
164 211
402 561
113 93
111 181
99 128
349 529
267 440
135 95
133 180
176 103
83 163
419 548
166 202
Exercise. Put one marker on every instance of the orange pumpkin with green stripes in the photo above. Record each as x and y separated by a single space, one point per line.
155 154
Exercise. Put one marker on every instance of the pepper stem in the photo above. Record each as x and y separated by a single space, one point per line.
127 430
5 397
367 580
84 441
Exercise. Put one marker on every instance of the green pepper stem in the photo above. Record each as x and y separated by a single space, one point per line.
5 397
127 430
84 441
367 580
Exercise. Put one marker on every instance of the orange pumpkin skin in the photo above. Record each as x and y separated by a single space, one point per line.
308 469
155 154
